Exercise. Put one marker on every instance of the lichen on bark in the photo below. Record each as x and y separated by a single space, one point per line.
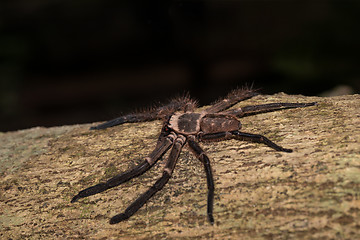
260 193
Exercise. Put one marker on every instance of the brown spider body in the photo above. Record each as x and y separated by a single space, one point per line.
184 126
191 123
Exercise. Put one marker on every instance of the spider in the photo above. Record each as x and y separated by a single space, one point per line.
183 125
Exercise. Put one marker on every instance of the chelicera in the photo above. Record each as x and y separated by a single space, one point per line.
182 125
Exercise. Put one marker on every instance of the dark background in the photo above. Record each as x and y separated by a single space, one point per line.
66 62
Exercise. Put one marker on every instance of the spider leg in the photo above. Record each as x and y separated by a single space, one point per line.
200 154
270 107
163 145
244 137
130 118
159 184
231 99
184 103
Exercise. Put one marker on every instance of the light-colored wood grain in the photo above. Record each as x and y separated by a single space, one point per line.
313 192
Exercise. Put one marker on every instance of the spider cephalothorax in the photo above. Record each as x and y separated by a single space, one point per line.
182 125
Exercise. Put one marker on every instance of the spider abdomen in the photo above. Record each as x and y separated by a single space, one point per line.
214 123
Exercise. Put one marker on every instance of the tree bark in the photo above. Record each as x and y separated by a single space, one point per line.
313 192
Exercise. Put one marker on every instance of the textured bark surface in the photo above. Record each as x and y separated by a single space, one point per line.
313 192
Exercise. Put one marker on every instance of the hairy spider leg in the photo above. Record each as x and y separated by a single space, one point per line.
243 137
184 103
200 154
159 184
129 118
162 147
263 108
231 99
